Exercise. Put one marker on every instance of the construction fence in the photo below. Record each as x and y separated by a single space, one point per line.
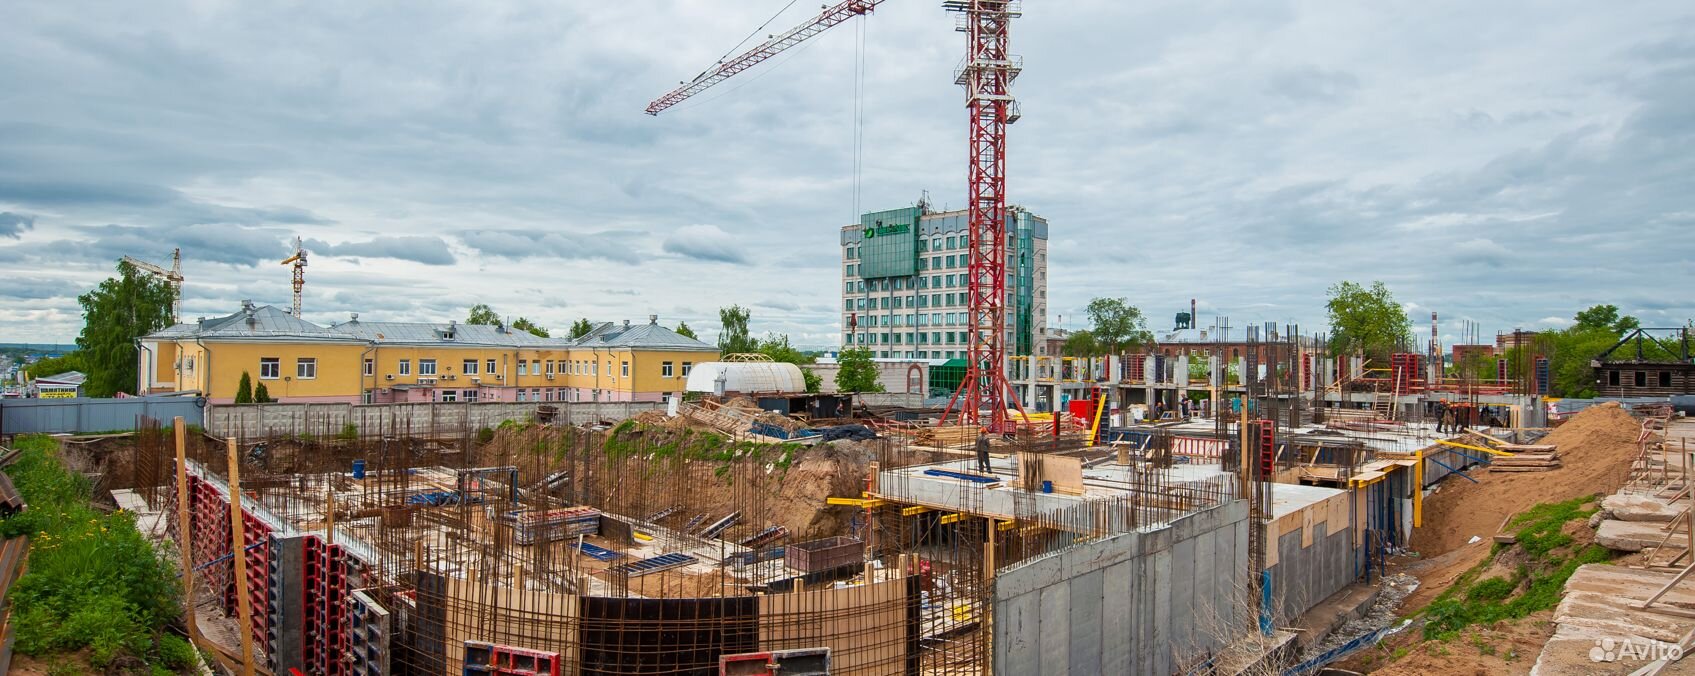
89 414
434 419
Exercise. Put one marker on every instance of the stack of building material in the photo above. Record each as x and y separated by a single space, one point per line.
536 525
952 435
765 537
654 565
1525 462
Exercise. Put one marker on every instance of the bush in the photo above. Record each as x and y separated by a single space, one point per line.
349 432
93 581
486 435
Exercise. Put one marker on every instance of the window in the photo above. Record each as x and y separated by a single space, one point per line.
270 368
950 242
520 394
687 366
470 367
1641 378
405 367
370 367
446 395
523 367
626 369
950 261
490 367
1665 379
426 367
550 366
665 369
306 368
1612 378
470 395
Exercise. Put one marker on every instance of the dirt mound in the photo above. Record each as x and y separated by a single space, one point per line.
1596 448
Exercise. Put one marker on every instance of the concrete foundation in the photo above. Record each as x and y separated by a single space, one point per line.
1142 602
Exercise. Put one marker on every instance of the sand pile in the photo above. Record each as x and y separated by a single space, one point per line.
1596 448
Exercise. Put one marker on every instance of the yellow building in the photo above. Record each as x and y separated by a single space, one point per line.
381 362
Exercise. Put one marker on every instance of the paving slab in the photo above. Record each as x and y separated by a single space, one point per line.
1641 508
1634 536
1599 607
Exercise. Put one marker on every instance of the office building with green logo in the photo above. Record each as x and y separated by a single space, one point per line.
904 283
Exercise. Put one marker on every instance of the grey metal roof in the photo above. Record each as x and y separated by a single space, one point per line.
648 336
463 334
268 322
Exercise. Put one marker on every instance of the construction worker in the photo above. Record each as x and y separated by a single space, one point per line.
983 450
1442 416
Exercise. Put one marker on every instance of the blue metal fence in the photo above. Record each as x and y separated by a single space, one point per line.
88 414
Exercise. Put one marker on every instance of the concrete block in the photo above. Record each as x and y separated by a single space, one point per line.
1029 577
1018 630
1085 623
1639 508
1634 536
1207 591
1117 613
1183 590
1161 564
1054 643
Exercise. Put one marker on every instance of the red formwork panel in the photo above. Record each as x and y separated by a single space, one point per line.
311 596
257 535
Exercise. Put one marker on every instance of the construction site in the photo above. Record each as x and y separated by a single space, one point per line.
729 534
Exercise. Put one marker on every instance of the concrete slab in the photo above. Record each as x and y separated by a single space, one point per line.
1634 536
1641 508
1599 607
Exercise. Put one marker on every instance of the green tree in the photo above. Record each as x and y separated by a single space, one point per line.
524 324
1117 325
262 395
483 315
1081 344
858 373
734 338
1366 320
686 332
777 347
244 391
52 366
116 313
1605 317
581 328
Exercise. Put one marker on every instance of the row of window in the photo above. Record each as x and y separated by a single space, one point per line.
1639 378
306 368
937 244
918 301
931 319
911 338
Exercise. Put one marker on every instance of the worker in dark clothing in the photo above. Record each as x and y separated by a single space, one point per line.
983 451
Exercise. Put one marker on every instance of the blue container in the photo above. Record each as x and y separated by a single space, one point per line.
359 469
1047 486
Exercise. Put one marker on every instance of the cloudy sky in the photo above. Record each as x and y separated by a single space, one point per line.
1502 162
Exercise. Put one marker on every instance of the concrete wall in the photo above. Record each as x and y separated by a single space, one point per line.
87 414
445 419
1137 603
1306 575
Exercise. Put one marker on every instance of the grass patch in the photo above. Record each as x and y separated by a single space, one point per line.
93 581
1533 586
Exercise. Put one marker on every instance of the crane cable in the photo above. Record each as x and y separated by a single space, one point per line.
750 36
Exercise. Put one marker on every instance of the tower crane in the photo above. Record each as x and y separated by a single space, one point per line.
172 276
299 261
986 73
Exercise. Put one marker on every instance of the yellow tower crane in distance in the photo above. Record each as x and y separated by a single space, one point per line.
172 276
299 261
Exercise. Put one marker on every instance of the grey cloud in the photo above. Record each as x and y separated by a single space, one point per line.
166 204
37 288
522 244
1313 84
418 249
707 243
15 225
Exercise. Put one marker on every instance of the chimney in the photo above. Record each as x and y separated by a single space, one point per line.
354 316
1194 318
653 319
247 307
626 323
